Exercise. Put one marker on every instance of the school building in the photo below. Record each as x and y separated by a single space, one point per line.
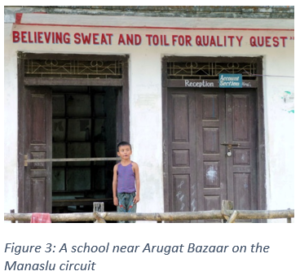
205 95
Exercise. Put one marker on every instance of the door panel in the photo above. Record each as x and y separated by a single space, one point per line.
210 154
38 145
241 167
181 110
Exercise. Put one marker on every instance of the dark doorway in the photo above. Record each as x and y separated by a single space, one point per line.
203 170
84 125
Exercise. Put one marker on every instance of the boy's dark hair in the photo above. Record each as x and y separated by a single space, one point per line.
123 143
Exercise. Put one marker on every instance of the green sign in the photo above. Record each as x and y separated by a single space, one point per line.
230 80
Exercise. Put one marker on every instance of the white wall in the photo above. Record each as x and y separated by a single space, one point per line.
146 104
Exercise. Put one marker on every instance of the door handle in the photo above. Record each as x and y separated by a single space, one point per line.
229 147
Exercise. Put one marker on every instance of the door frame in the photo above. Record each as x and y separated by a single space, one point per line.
257 84
24 81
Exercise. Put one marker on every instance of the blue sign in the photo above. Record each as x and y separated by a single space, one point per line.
230 80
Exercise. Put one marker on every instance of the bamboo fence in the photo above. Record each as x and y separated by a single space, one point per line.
226 214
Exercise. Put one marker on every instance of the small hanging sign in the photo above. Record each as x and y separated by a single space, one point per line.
230 81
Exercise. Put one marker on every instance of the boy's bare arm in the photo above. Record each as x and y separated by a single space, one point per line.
114 186
137 182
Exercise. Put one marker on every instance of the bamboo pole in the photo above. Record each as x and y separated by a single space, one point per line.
265 214
168 216
64 217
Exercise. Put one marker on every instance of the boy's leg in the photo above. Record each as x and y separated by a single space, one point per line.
122 204
131 205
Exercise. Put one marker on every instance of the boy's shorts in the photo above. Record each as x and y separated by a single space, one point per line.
126 204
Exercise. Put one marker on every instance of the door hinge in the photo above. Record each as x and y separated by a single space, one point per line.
25 160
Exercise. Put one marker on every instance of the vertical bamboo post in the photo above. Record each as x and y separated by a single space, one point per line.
98 207
12 211
289 220
226 205
159 220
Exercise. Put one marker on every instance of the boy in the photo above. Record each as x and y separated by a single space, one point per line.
126 181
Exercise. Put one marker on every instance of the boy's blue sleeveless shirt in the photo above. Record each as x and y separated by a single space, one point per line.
126 179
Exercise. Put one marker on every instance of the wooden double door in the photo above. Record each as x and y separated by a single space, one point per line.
212 148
